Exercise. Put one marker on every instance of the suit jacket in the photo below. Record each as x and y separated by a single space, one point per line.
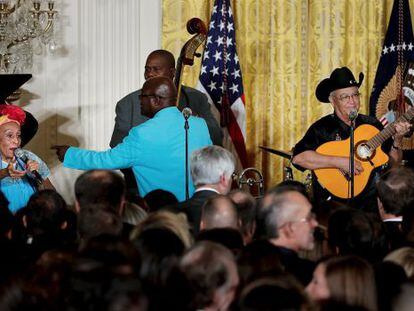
128 114
192 208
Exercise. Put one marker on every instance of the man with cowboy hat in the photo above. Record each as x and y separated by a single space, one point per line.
341 91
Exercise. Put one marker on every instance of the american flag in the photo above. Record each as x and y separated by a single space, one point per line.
221 79
398 50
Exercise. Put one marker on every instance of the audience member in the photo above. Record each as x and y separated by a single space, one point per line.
272 294
355 232
212 273
347 279
405 301
246 211
211 170
395 193
133 214
97 219
166 220
228 237
403 257
289 225
219 212
100 186
159 198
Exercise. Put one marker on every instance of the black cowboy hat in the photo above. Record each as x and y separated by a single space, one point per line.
8 84
340 78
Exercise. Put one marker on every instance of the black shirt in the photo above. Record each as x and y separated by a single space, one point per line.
331 128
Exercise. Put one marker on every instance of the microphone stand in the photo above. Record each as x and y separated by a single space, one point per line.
186 127
352 160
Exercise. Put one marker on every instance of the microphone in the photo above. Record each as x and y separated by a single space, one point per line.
353 115
187 112
19 153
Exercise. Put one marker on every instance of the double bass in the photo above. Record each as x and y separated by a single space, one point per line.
196 27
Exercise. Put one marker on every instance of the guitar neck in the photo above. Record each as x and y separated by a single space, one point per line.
386 133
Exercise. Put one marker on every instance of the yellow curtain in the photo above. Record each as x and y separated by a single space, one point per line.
285 48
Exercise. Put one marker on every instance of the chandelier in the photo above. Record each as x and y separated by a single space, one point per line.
26 27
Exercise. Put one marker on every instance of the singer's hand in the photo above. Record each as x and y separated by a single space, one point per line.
32 166
60 151
13 173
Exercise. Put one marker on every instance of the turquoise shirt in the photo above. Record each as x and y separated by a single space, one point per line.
154 149
18 191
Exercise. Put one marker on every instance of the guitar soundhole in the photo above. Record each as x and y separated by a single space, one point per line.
363 152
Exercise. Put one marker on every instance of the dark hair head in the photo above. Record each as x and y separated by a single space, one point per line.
45 213
263 294
228 237
246 210
259 259
100 186
355 232
159 198
97 219
396 191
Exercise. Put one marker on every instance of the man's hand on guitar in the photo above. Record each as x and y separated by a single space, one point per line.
343 165
401 128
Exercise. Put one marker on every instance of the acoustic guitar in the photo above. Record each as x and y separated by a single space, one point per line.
367 141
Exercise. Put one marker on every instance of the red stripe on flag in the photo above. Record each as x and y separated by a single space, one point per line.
237 138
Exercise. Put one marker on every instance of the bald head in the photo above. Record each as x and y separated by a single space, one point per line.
157 93
219 212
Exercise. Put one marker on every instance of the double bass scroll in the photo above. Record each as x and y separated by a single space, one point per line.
197 27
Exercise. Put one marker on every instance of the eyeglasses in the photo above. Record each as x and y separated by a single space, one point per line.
346 98
307 219
141 96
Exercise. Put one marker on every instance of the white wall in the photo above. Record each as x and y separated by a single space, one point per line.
73 93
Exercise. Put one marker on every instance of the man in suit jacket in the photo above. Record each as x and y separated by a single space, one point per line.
211 170
395 194
128 109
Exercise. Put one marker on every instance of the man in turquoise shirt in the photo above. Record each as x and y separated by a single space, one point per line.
155 149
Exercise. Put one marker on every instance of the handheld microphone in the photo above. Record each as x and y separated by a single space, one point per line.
187 112
353 115
19 153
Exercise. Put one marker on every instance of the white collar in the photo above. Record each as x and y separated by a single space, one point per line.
206 188
393 219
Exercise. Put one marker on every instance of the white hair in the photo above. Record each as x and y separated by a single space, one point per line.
208 164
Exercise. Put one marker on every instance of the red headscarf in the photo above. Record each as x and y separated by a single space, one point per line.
11 113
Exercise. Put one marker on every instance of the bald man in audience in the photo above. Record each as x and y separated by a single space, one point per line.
219 212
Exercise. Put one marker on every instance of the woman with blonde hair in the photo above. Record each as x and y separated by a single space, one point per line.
403 257
346 280
177 223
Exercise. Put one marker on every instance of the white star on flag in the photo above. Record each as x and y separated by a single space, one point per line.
214 71
217 56
234 88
